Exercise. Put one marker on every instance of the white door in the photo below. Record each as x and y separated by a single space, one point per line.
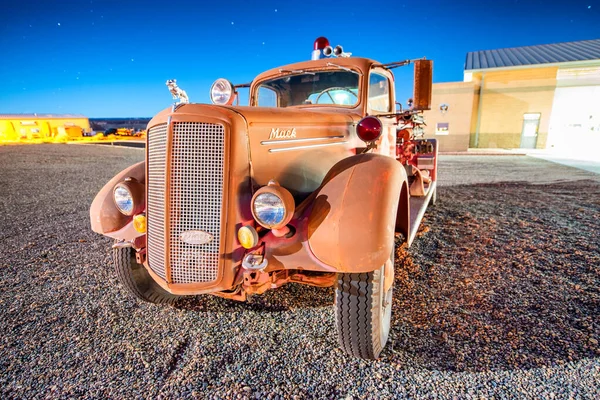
531 124
575 120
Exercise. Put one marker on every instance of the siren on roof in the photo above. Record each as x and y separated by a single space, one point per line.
320 44
322 49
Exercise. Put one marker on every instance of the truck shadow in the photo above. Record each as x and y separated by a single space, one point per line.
285 298
501 276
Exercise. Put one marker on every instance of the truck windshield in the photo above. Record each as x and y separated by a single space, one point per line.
327 87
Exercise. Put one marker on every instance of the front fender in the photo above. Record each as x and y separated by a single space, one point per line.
105 217
352 222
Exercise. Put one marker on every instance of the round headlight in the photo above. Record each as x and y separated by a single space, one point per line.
268 209
123 199
222 92
273 206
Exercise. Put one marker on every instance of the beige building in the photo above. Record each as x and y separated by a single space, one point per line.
15 127
535 97
449 120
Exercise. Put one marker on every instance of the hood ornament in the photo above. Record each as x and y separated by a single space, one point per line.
178 93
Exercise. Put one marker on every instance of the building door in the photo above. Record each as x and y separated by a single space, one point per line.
531 123
574 129
575 120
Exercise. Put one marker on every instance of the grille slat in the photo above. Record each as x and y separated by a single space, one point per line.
157 156
196 199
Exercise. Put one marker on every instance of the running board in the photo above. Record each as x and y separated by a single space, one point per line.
418 205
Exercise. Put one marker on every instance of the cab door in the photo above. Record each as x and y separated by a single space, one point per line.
381 101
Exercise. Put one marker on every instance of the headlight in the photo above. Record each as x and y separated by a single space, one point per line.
273 206
123 199
269 209
129 196
222 92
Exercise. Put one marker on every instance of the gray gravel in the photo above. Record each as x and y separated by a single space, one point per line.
69 330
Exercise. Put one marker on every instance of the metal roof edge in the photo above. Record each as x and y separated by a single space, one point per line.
582 63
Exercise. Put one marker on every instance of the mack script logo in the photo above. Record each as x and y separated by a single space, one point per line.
196 237
277 133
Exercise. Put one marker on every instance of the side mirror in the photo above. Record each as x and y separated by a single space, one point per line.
423 84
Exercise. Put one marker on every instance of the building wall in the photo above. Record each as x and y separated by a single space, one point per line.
506 96
15 127
459 98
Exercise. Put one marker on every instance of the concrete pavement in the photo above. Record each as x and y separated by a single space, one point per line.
585 160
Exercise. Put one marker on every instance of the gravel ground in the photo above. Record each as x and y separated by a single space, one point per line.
498 297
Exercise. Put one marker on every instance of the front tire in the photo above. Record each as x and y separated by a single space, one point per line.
363 312
137 280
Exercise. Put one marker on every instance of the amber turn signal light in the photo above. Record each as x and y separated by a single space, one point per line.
139 223
248 237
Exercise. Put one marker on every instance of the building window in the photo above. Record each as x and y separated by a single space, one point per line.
442 128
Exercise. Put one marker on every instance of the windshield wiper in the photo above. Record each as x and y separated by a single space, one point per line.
344 68
296 71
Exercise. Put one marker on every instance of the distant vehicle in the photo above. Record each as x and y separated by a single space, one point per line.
119 132
309 184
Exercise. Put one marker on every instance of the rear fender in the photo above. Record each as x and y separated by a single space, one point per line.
105 217
352 222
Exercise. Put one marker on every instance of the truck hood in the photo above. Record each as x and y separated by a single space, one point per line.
298 146
295 146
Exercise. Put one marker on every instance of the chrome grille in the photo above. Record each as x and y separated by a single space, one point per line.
196 199
157 156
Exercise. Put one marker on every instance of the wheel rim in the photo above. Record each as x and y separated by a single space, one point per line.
385 312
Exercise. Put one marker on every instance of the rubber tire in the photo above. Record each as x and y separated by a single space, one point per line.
137 280
363 327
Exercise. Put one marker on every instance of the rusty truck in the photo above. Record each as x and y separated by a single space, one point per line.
310 183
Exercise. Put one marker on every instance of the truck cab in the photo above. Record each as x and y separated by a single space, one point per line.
310 183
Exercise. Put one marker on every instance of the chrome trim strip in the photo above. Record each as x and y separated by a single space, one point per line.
422 203
309 146
156 199
265 142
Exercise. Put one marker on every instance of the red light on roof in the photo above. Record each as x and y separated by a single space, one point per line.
321 43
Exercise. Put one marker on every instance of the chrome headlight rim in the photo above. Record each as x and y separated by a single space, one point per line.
222 92
276 199
132 192
122 194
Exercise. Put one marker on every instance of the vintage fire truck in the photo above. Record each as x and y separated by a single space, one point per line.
309 183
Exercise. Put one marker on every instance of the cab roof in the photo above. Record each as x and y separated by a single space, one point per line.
362 64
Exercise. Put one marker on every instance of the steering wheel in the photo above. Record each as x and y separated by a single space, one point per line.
331 97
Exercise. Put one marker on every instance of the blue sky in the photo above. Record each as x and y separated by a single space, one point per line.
112 58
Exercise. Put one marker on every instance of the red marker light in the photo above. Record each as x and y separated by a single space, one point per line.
321 43
369 129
